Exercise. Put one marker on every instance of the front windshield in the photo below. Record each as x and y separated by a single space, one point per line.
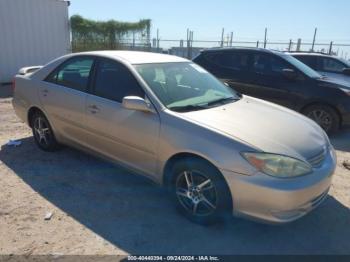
185 86
301 66
346 62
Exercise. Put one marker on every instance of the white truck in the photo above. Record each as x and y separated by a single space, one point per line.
32 33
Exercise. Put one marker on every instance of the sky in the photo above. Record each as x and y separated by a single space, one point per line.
247 19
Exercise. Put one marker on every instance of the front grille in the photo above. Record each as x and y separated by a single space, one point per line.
317 160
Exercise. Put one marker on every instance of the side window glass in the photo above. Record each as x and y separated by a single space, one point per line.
261 64
74 73
331 65
235 61
114 81
269 65
277 66
308 60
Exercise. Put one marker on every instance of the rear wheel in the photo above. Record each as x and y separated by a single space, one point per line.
324 116
200 191
43 133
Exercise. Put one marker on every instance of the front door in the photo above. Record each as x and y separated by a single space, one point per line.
128 136
269 82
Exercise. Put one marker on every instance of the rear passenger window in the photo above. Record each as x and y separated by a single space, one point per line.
308 60
74 73
236 61
114 81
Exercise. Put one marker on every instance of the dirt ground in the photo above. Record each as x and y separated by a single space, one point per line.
99 208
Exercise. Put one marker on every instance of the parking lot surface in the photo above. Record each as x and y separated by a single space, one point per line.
100 208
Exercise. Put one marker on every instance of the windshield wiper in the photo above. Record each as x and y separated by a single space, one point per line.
223 100
187 108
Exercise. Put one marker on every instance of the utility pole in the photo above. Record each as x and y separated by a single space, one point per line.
265 41
313 41
231 39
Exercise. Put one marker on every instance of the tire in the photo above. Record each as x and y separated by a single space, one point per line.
43 133
199 191
325 116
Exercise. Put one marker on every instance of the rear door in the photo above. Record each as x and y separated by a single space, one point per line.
63 95
230 67
121 134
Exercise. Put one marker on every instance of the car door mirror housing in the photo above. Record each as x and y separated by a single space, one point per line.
346 71
290 74
136 103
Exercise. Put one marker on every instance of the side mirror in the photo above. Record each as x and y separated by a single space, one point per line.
290 74
346 71
136 103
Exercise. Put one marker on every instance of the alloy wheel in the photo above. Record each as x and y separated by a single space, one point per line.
322 118
196 193
42 131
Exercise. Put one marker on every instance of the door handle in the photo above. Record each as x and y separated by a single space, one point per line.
93 109
45 92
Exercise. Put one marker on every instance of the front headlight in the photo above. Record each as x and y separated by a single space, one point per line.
277 165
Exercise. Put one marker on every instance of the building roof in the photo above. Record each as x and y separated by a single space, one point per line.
136 57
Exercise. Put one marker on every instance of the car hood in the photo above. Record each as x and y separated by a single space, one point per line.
331 81
265 126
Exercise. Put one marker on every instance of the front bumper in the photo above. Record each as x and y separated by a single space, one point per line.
277 200
344 109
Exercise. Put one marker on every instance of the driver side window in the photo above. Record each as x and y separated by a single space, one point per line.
114 81
268 65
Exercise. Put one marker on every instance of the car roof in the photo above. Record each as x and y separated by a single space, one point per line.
227 49
136 57
307 54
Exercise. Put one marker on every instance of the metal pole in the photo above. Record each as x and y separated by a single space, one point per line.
231 39
257 43
191 43
265 41
299 44
290 45
313 41
330 48
158 40
188 43
222 37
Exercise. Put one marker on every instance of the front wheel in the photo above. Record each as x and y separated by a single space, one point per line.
200 191
325 116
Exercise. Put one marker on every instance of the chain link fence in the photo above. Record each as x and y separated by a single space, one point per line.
190 48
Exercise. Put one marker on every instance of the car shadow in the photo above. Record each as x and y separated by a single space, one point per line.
136 216
5 90
341 140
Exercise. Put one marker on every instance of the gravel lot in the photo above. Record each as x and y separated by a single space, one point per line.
100 209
